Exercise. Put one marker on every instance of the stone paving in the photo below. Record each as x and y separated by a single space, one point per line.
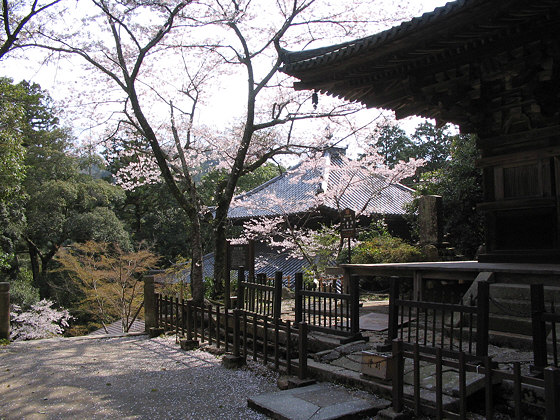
318 402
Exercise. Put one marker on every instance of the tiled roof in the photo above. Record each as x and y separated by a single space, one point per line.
304 60
297 195
432 66
268 261
115 329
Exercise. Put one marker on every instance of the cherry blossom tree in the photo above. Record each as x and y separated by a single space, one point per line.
21 20
120 38
41 320
155 61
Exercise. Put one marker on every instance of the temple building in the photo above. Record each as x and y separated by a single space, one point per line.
492 68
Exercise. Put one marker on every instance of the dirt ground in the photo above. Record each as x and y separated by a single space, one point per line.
123 378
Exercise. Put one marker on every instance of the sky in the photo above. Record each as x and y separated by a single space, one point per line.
63 79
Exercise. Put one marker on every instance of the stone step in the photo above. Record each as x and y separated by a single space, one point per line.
511 324
521 292
510 291
520 308
512 340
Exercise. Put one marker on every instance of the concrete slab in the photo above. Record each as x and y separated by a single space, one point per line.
317 402
350 362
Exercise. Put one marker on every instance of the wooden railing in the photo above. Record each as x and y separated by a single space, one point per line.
243 333
450 327
549 385
544 324
262 295
326 308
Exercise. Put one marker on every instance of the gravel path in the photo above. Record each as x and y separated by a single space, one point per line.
123 378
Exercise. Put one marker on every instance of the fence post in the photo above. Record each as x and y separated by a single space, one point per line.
392 331
302 350
299 303
232 361
482 322
158 309
552 392
277 305
5 310
236 331
539 327
188 343
240 287
150 314
354 306
189 320
398 376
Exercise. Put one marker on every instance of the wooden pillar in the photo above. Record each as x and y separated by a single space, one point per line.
552 392
5 311
277 305
299 298
302 350
417 286
539 327
482 318
150 315
354 306
397 377
240 288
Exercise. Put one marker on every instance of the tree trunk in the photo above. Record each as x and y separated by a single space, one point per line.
220 251
44 289
197 284
189 205
34 259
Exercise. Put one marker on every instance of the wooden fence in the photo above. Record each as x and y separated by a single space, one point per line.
549 385
326 308
450 327
245 334
262 295
544 324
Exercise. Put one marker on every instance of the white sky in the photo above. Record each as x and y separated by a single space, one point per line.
60 81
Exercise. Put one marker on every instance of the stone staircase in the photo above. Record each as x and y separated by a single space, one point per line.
510 314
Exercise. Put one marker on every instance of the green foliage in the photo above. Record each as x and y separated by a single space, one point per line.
258 177
459 182
385 249
393 144
101 225
428 142
62 204
150 214
450 171
208 287
22 291
12 168
433 145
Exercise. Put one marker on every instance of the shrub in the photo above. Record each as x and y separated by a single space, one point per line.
40 321
22 291
385 249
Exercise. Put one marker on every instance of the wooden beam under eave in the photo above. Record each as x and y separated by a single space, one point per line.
313 85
